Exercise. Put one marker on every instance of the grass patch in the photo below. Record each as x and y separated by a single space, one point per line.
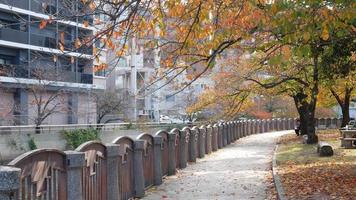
305 175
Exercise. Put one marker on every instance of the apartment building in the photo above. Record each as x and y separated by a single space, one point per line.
34 66
130 75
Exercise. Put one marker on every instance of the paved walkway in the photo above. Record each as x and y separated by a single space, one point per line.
237 171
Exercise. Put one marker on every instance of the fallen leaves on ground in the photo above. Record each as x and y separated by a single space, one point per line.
331 178
271 190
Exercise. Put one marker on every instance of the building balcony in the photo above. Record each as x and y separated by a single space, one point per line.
16 3
13 35
21 71
42 41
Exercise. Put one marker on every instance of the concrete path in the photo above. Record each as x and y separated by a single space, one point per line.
237 171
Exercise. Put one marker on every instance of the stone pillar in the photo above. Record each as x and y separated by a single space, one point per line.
208 139
220 137
157 152
171 153
215 137
334 123
182 145
75 164
233 128
248 127
193 139
229 133
225 132
201 141
244 133
113 162
239 129
138 169
9 182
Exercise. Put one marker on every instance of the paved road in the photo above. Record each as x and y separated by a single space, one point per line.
237 171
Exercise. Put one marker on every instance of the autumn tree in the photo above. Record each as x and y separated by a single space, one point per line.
286 38
339 72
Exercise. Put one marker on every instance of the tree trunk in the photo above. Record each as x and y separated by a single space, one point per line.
345 115
306 113
344 104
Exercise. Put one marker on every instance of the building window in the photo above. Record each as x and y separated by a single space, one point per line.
170 98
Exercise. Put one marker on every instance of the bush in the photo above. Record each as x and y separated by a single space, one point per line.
31 144
77 137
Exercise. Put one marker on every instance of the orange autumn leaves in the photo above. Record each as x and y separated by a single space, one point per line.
304 175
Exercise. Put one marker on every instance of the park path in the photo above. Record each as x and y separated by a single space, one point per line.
238 171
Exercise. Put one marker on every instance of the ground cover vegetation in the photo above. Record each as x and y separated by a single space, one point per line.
305 175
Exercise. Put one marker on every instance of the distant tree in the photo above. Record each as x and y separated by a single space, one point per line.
339 73
48 98
110 105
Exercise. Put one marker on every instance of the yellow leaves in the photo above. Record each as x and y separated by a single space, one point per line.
306 36
100 67
325 33
110 44
189 76
92 6
116 34
306 176
43 24
77 43
61 47
274 9
286 50
85 23
61 37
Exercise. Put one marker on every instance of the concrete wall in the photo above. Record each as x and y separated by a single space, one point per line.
13 144
6 105
60 116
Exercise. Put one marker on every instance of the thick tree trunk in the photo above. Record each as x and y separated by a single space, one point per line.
306 113
345 115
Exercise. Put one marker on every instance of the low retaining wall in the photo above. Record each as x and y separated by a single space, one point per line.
124 168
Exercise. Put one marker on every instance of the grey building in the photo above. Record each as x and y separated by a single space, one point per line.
40 57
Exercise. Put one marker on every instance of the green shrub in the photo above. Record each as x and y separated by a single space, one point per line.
77 137
129 126
31 144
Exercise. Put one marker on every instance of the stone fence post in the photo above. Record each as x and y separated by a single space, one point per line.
193 139
75 164
157 152
9 182
171 153
182 145
201 141
220 135
215 137
228 132
225 130
113 162
138 169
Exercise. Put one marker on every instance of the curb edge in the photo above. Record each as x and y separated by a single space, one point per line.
276 179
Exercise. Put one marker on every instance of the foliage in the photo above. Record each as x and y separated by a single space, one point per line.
305 175
129 126
77 137
31 144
